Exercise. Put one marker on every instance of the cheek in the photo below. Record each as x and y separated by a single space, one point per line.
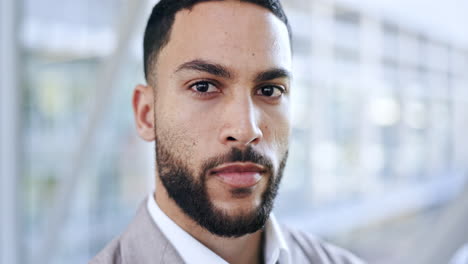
281 135
175 138
174 133
276 137
277 129
183 132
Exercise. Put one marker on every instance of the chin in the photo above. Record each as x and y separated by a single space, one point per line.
237 207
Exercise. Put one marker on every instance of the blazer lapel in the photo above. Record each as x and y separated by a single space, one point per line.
144 243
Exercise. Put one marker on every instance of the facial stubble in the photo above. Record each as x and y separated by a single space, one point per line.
190 192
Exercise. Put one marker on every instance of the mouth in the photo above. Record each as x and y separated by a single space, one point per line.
239 174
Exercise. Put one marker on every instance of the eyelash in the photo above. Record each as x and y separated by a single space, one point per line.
280 88
207 94
202 94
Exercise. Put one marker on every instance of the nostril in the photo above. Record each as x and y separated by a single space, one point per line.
231 139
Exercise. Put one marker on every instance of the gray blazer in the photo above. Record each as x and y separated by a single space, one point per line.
144 243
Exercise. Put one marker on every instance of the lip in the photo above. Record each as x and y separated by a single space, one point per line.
240 174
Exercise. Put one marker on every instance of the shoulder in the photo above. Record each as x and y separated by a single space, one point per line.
142 242
110 254
306 248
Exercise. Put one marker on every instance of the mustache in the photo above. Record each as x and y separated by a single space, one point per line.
237 155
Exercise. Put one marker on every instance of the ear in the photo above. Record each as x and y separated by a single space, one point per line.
143 109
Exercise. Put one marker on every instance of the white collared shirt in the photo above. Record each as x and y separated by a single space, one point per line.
192 251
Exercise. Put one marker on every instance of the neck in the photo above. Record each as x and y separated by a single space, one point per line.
244 249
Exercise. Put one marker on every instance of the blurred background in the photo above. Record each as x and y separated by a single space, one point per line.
379 152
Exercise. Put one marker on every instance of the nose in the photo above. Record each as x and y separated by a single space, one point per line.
240 121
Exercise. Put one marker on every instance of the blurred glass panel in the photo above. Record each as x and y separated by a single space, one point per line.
378 134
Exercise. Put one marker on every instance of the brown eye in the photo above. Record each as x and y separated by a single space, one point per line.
203 87
270 91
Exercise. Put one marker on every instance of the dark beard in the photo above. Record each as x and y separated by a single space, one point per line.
191 195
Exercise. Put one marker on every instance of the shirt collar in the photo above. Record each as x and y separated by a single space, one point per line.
192 251
276 249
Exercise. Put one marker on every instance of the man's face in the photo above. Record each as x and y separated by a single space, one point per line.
222 113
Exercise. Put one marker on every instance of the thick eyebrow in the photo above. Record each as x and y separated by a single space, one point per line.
272 74
205 66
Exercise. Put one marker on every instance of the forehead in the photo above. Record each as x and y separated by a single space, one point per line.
240 35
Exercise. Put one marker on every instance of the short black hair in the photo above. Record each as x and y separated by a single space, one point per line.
162 18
